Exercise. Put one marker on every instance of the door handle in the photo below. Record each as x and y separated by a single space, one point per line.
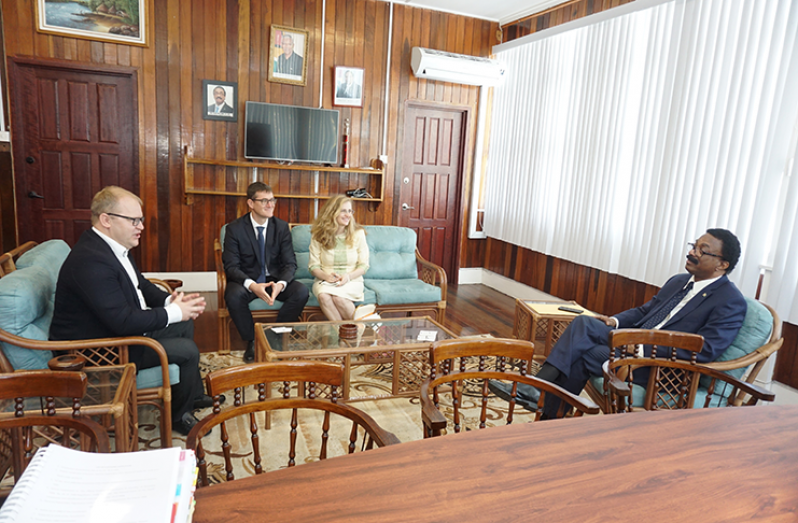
30 159
406 207
34 194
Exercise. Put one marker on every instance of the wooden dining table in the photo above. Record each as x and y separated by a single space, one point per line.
707 465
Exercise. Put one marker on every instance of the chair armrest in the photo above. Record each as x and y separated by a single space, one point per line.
86 349
586 405
162 284
432 274
756 392
433 420
221 277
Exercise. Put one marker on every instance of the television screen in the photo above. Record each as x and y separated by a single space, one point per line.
291 133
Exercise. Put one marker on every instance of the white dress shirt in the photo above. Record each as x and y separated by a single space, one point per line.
698 286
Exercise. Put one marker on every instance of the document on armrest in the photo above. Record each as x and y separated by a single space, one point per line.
70 486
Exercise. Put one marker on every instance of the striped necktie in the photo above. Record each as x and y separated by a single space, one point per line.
666 309
262 246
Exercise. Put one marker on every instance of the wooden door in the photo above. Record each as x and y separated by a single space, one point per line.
431 181
75 130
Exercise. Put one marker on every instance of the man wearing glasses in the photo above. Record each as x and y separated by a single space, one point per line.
260 263
101 294
702 301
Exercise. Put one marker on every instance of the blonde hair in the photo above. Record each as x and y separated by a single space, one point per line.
107 199
325 227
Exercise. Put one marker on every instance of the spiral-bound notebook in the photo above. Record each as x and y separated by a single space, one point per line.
70 486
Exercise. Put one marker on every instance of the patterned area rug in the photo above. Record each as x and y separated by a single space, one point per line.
401 416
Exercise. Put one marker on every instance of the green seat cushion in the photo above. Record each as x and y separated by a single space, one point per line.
300 235
259 305
405 291
50 255
26 310
754 333
392 255
149 378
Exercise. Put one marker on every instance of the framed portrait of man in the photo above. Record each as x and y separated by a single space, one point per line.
219 100
288 55
348 86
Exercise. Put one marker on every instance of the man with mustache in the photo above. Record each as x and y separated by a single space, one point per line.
221 106
703 301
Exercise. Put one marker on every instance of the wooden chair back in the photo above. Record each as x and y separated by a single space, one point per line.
461 369
307 406
35 422
672 383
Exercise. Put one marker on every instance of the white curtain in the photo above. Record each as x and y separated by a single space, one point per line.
618 139
783 291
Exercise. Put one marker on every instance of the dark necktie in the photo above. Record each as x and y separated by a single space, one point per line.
262 246
666 309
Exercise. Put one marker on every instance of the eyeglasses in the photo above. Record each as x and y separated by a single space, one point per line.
135 221
347 211
265 201
701 253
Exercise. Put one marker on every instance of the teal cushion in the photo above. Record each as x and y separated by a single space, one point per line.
399 292
50 255
300 235
754 333
260 305
148 378
26 310
392 254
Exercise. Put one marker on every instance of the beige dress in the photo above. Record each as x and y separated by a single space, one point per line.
341 260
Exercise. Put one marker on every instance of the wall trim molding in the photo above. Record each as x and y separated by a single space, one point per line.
502 284
192 281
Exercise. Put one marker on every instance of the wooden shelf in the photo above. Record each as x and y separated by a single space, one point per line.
189 189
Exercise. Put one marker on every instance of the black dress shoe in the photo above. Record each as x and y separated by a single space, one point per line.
185 424
206 401
249 354
526 396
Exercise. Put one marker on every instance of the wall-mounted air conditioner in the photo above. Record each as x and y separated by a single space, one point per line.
455 68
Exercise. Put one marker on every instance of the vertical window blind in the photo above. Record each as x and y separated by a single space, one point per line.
618 139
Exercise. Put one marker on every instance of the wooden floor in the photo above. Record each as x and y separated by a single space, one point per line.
471 309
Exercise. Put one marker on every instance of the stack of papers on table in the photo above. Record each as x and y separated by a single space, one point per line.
70 486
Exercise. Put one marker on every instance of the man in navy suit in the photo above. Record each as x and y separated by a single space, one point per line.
101 294
703 301
258 270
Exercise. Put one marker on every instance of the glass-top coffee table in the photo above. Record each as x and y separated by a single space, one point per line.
402 343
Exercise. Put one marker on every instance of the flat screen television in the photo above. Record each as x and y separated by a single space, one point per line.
291 133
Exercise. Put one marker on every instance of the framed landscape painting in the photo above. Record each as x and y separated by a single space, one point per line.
118 21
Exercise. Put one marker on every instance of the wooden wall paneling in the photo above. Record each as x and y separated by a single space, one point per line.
397 81
419 88
228 40
155 188
787 362
359 114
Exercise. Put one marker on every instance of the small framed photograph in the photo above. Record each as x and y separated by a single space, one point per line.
220 100
118 22
288 55
348 86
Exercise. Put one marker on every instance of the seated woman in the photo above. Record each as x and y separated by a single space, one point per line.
339 256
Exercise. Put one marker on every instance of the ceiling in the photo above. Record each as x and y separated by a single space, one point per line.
502 11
